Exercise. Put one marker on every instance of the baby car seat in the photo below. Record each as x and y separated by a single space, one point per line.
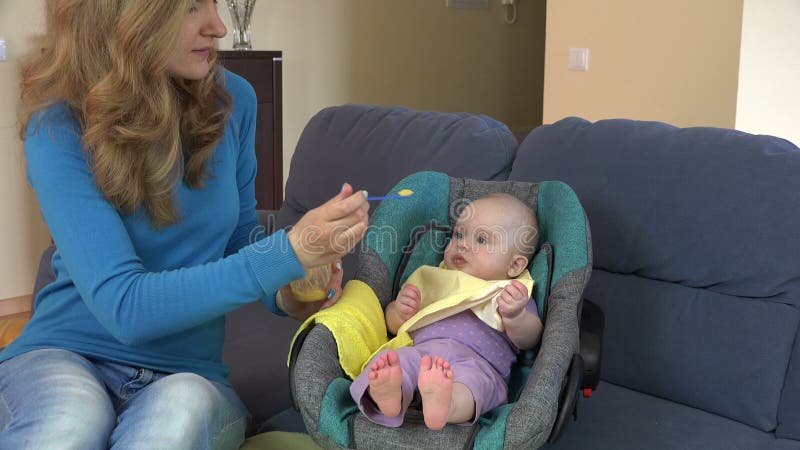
405 234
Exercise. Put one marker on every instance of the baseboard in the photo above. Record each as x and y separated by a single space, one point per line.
16 305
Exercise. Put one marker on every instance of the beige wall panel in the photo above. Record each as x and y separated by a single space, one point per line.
23 234
673 61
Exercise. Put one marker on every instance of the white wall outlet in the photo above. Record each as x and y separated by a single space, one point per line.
578 59
470 4
2 49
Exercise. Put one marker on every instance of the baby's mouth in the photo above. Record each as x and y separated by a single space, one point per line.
459 260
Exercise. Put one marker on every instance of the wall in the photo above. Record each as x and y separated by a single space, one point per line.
315 74
769 69
414 53
23 235
674 61
418 53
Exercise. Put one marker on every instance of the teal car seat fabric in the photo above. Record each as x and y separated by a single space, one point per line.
524 423
394 221
695 233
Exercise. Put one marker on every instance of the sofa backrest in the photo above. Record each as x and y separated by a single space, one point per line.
374 147
696 233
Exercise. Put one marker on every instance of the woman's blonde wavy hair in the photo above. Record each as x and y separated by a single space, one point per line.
143 130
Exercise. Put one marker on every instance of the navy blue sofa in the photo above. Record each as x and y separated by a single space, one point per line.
696 234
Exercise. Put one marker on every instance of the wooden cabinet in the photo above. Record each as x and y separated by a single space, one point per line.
263 69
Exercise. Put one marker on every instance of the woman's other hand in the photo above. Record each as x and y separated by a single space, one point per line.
332 230
303 310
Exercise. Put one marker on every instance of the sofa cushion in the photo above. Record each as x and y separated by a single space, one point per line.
712 211
616 417
256 345
789 411
731 197
656 339
374 147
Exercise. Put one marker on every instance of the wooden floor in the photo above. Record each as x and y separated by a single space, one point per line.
11 326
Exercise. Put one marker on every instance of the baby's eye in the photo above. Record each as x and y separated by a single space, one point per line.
458 235
481 239
194 8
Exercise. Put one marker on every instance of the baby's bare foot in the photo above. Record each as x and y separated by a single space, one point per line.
435 386
385 381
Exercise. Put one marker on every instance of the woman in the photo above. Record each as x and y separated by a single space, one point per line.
141 154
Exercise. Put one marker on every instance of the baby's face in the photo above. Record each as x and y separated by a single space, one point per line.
482 245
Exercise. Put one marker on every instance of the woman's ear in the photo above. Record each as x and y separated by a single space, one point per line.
518 264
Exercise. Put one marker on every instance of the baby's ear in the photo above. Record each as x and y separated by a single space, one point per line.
518 264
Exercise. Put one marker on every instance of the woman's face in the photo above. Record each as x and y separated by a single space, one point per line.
199 32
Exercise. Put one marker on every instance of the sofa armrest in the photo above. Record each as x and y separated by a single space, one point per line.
266 218
44 274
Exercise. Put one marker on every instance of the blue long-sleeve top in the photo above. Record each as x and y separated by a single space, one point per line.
128 293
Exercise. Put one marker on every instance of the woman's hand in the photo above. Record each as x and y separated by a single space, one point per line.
332 230
303 310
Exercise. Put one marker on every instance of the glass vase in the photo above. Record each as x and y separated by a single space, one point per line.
241 12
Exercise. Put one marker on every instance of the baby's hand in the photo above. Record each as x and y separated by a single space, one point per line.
407 301
512 300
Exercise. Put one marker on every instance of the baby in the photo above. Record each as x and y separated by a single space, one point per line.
459 364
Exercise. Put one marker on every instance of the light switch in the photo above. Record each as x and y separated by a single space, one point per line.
2 49
578 59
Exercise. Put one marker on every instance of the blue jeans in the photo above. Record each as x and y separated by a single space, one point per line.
57 399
